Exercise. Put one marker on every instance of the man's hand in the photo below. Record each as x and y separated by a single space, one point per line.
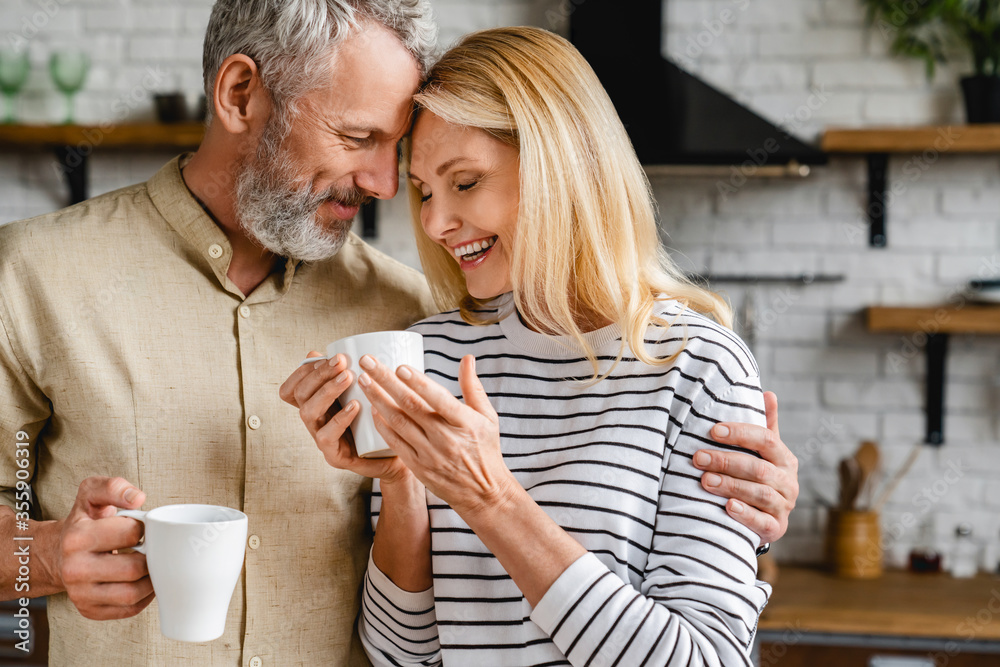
762 491
101 583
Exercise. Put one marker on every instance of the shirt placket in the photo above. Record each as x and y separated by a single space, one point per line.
249 315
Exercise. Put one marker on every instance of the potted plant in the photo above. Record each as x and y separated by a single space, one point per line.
925 28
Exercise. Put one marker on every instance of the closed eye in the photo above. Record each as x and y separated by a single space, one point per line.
465 187
358 141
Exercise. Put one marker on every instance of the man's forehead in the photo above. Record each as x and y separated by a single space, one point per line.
372 83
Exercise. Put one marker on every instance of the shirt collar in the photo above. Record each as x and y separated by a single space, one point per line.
189 219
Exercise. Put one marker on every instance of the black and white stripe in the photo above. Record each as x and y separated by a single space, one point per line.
670 578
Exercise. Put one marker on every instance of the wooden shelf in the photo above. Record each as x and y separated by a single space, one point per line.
950 138
73 144
935 325
945 320
145 136
896 604
876 144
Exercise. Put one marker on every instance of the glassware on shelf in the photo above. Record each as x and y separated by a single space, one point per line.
14 69
69 72
965 556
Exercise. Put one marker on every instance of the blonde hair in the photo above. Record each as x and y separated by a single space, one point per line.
586 244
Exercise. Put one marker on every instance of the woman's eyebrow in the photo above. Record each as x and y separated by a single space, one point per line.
451 163
443 168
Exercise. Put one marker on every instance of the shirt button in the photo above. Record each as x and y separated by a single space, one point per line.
253 422
215 251
245 312
256 661
254 541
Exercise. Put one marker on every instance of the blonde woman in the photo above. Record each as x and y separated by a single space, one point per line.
552 515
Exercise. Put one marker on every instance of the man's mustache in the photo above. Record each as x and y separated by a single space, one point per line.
350 197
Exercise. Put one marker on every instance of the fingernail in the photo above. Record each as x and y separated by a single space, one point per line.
712 479
736 507
364 380
334 360
130 495
721 431
367 363
318 365
341 378
702 459
404 372
353 406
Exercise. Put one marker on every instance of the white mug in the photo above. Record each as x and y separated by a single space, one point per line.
392 349
195 555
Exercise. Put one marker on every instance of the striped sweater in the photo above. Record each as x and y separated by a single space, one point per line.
670 578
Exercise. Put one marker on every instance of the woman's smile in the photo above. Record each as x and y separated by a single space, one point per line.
472 255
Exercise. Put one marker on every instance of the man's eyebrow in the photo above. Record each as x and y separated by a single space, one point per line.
360 129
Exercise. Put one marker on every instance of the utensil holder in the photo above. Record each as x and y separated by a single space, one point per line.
854 544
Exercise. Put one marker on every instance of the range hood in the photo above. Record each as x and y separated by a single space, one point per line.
673 117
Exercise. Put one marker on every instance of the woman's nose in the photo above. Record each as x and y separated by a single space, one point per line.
438 220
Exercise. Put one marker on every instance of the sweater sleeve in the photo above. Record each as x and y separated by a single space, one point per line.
699 600
398 628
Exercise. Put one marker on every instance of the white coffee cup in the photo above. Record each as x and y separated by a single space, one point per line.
391 349
195 555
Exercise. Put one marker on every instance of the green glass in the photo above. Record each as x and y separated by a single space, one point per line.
69 71
14 69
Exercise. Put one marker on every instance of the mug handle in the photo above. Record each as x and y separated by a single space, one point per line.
312 360
138 515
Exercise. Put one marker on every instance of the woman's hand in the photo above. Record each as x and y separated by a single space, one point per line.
454 449
315 390
451 446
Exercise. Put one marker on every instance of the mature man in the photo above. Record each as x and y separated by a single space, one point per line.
144 335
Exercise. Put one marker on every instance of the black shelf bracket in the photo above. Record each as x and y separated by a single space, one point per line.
369 220
878 169
937 353
73 164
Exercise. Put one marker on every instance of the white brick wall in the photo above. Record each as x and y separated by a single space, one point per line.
836 383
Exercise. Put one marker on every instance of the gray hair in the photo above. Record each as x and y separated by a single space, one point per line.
291 40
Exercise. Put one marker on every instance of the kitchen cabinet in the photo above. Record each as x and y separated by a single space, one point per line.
815 619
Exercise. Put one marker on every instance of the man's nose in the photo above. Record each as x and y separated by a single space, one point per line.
380 174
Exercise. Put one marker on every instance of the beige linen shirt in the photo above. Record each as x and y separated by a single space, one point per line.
126 351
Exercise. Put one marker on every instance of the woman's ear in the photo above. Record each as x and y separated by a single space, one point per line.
241 102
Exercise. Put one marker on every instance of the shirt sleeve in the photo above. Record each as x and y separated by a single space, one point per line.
24 411
398 628
699 600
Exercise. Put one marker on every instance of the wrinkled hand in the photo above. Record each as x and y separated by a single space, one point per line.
103 584
315 389
451 446
762 491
